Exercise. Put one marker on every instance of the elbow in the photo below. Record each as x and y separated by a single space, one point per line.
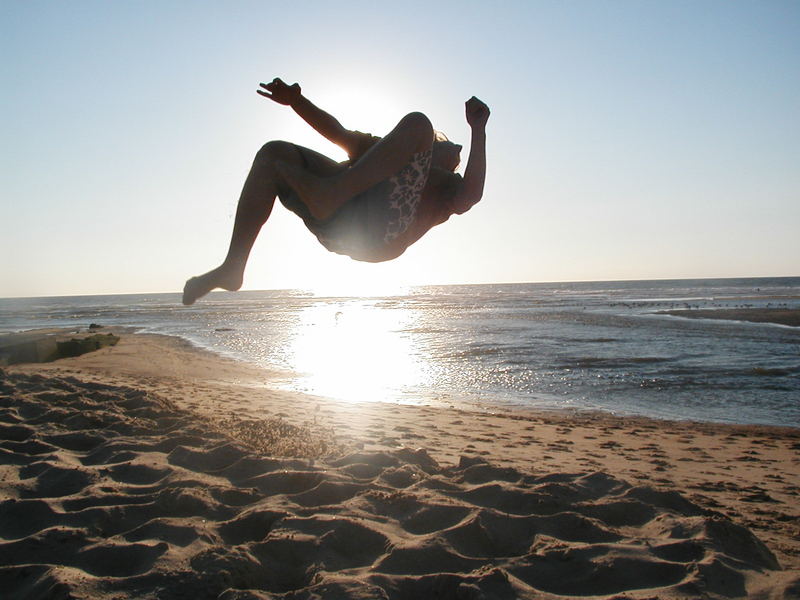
463 203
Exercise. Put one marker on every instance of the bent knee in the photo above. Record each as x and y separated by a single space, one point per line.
276 150
419 124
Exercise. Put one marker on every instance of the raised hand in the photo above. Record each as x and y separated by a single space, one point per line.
477 112
279 92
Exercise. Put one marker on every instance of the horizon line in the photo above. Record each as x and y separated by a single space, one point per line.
422 285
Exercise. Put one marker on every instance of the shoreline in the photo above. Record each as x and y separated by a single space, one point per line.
264 375
749 476
256 377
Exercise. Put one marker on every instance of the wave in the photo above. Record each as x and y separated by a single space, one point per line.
600 340
615 362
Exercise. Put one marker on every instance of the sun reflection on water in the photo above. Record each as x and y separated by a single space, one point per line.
356 350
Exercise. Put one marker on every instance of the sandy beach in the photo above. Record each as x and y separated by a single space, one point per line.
152 469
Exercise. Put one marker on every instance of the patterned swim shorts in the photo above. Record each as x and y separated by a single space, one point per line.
365 226
406 192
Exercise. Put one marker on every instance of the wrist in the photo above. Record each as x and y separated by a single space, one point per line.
295 102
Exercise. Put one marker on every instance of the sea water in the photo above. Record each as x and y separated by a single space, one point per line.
577 346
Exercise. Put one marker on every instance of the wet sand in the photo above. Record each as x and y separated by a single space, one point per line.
153 469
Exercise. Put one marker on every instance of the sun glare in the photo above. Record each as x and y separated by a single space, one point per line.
333 288
364 108
337 277
356 350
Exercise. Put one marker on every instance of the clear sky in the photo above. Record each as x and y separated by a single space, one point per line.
628 139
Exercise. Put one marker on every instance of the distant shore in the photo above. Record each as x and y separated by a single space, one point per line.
778 316
152 465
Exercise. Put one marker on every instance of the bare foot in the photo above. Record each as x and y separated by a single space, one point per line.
221 277
322 195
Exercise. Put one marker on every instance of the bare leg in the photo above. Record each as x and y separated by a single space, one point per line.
325 195
254 208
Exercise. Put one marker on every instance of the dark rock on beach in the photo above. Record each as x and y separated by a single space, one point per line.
47 346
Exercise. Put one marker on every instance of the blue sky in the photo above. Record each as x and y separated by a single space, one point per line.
628 140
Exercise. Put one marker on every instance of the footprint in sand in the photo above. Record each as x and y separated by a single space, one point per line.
175 506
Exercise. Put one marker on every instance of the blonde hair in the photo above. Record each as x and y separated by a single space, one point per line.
440 138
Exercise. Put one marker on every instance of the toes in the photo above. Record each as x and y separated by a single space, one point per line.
190 292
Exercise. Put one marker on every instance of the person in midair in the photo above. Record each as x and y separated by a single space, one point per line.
390 192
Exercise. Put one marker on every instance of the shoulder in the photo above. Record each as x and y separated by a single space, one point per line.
443 187
436 204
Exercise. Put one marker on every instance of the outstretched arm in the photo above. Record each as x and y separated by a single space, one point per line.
471 189
324 123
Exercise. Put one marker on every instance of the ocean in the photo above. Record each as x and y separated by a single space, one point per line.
596 346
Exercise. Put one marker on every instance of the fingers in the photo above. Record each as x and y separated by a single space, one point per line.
270 88
476 110
267 88
474 102
272 85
